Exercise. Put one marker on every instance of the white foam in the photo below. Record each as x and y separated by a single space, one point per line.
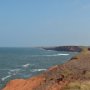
26 65
63 54
57 55
35 70
60 54
4 78
15 70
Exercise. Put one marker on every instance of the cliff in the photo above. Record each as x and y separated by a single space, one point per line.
65 48
72 75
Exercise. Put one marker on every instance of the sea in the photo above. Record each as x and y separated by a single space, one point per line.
18 63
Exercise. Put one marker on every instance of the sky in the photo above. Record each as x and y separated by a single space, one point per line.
28 23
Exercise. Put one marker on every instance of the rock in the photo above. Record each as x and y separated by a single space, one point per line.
21 84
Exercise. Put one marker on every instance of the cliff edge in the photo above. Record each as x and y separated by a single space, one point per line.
72 75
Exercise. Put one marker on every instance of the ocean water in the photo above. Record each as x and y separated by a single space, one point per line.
27 62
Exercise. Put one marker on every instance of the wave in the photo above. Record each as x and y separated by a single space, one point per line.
38 70
26 65
6 77
57 55
14 71
10 72
60 54
64 54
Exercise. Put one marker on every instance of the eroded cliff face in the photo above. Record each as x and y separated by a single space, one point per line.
22 84
73 75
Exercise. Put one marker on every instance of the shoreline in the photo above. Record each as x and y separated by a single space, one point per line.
74 72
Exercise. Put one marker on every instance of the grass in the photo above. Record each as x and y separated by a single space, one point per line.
77 85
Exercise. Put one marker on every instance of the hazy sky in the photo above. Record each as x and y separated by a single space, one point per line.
26 23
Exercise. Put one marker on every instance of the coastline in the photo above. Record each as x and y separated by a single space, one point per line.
75 72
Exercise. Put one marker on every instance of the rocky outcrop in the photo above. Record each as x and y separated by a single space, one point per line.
72 75
65 48
22 84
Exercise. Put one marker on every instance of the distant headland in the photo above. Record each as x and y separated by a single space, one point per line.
64 48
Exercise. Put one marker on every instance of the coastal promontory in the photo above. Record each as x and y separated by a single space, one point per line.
72 75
